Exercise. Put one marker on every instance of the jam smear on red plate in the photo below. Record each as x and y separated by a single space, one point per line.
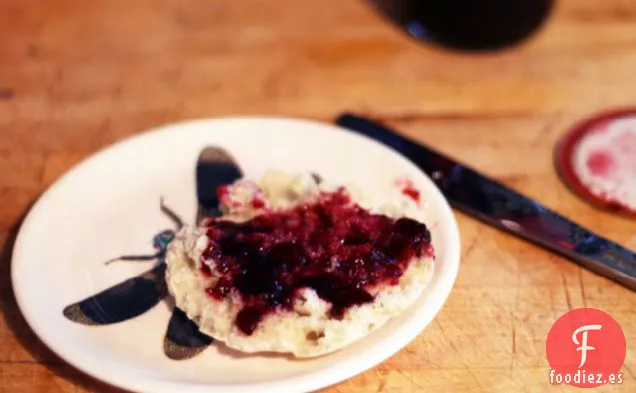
600 163
331 245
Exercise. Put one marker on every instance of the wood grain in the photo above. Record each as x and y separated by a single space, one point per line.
76 76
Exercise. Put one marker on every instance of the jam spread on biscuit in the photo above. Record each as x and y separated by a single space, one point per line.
331 245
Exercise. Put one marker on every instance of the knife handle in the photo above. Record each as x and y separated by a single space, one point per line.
501 207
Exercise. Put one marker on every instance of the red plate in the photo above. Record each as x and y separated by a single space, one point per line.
567 147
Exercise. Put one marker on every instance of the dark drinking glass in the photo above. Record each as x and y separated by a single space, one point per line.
468 24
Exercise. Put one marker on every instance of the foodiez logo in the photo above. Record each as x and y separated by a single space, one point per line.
586 348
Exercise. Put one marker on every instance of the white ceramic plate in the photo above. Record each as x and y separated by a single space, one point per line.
109 205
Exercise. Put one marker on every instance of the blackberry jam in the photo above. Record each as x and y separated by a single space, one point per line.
331 245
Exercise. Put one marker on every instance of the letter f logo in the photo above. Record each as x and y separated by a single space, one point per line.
583 344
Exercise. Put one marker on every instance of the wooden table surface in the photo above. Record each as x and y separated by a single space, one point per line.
76 76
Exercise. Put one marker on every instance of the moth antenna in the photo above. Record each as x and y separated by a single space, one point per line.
173 216
136 258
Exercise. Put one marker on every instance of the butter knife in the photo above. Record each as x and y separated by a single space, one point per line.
499 206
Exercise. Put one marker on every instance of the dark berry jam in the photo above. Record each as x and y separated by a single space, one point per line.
222 192
257 203
331 245
409 189
411 193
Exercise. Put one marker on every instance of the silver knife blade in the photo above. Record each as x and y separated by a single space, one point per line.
497 205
